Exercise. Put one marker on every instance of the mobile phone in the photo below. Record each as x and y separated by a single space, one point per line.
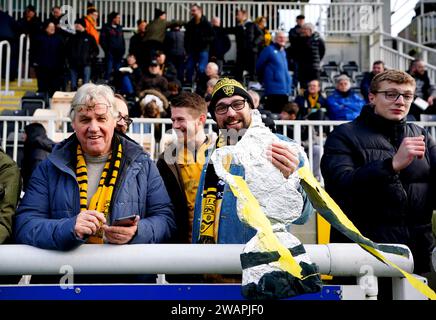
126 221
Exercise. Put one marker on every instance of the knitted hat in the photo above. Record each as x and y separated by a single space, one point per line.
225 88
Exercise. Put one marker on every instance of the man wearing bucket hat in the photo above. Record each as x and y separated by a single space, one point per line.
231 107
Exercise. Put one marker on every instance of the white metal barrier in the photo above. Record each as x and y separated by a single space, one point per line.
336 259
310 133
337 17
8 67
395 52
20 59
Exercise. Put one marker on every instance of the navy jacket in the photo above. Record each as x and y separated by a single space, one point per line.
47 214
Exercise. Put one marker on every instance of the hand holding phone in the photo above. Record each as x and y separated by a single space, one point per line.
126 221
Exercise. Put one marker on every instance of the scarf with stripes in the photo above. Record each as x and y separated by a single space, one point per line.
101 200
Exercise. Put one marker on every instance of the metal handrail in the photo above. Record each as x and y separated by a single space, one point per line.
8 65
337 259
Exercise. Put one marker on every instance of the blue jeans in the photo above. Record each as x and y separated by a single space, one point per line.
126 85
112 63
201 58
74 73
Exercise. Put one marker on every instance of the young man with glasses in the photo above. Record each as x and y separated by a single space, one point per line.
381 170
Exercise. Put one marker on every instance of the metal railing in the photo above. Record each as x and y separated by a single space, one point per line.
6 44
20 59
337 17
336 259
311 134
396 52
422 29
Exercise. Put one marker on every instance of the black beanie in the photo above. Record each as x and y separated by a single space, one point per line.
225 88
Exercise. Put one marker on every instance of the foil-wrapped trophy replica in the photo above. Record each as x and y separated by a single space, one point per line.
274 262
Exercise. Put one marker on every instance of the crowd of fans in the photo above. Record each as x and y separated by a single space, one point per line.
171 56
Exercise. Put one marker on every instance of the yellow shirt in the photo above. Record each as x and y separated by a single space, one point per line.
190 171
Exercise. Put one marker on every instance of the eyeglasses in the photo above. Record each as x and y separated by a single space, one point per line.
98 108
394 95
236 105
126 119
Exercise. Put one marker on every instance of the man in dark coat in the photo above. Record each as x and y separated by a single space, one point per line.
381 170
37 147
308 54
112 42
424 88
198 38
248 38
81 50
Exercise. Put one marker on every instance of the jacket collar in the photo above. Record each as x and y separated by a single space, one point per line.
392 129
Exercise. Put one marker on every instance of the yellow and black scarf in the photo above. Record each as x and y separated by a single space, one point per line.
101 200
213 192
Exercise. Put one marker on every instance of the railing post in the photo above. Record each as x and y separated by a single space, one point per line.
8 66
20 59
26 66
401 61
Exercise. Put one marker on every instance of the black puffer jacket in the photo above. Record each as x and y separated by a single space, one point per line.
385 206
309 51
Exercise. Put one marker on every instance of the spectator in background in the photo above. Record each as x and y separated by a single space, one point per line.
37 146
312 100
31 25
211 72
266 114
377 67
175 48
181 164
167 69
91 22
380 170
289 112
10 189
123 119
81 50
9 31
308 54
112 42
248 38
137 43
266 35
221 44
424 88
65 206
155 34
128 77
64 30
295 38
198 39
343 103
49 60
153 80
174 90
272 68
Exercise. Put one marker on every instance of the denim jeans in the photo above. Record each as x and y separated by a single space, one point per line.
201 58
74 73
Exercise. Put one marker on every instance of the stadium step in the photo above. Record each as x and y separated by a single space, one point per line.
11 100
